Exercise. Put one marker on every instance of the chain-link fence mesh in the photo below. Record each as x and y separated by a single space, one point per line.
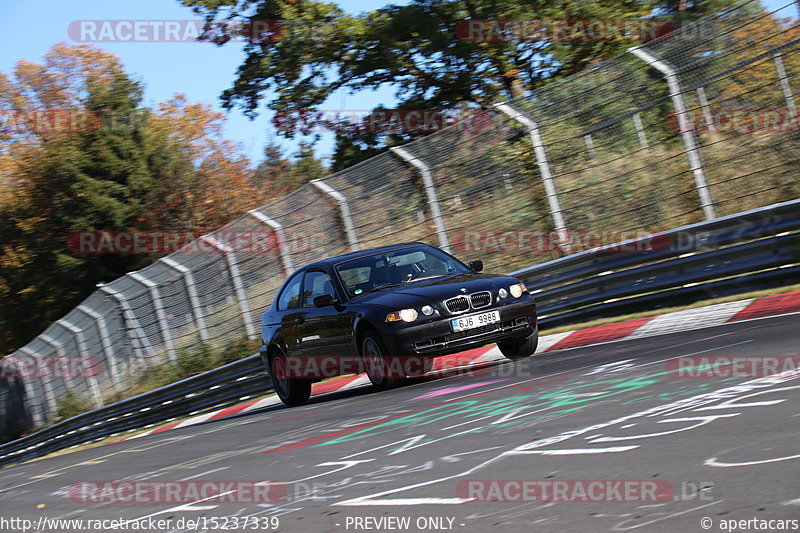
698 124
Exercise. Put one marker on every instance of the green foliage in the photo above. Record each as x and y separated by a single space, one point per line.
70 405
187 364
416 48
278 174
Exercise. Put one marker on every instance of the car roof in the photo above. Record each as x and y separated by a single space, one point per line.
361 253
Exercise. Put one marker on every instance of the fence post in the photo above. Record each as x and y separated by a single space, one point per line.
785 87
637 123
344 207
544 170
430 192
233 269
191 290
155 297
105 341
283 246
687 134
59 348
587 140
36 414
80 340
132 327
709 120
46 383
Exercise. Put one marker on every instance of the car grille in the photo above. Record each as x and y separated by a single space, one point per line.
459 304
480 299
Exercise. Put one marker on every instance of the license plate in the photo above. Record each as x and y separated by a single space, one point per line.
475 321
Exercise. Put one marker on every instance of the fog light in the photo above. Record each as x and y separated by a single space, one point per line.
427 310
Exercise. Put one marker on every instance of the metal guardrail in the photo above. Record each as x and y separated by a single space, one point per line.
747 251
226 384
732 254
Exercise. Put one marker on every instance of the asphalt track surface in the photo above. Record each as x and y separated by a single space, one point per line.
728 448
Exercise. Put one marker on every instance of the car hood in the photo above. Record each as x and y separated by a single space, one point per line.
417 294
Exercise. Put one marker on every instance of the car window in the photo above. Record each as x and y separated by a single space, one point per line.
386 269
356 275
290 297
317 284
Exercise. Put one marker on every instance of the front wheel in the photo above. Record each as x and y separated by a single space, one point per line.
519 349
291 390
377 366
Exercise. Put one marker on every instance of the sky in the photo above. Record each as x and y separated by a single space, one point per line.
198 69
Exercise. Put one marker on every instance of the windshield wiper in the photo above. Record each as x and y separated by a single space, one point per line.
426 277
384 287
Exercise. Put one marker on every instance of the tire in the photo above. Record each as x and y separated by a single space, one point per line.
520 348
374 353
291 391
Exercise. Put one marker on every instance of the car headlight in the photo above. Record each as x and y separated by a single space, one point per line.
406 315
502 293
518 290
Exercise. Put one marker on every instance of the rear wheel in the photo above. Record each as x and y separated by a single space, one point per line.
377 366
520 348
290 390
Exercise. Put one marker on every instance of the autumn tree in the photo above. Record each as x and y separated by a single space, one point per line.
124 166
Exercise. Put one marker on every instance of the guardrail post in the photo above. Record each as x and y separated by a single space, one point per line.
155 297
430 192
80 340
544 170
132 327
283 246
46 384
685 125
36 414
344 207
233 269
637 123
194 301
105 341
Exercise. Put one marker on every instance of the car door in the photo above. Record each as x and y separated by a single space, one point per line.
326 331
291 313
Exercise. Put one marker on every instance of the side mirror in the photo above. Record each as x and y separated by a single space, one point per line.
325 300
475 266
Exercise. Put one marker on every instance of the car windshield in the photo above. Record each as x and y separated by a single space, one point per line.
396 267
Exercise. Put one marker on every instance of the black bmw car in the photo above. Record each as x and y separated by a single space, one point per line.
389 311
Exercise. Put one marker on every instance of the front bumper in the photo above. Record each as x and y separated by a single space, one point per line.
436 337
